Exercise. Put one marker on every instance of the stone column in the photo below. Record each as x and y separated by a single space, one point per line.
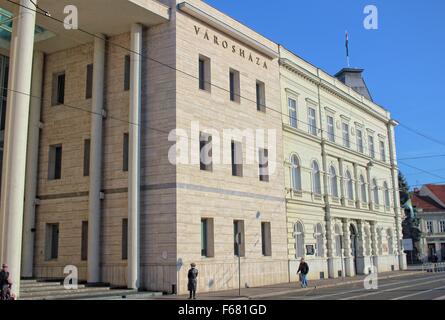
370 193
342 181
16 138
374 247
134 159
32 161
395 187
349 259
357 187
97 108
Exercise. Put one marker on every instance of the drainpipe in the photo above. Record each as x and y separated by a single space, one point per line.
328 218
32 160
395 187
97 114
134 183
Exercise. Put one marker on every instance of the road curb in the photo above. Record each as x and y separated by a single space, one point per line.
273 294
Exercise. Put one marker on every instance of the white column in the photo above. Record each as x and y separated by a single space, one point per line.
16 136
342 181
32 158
134 159
94 217
370 193
358 195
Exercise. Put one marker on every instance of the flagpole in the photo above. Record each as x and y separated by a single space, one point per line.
347 50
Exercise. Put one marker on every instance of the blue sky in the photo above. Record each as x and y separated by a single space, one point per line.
404 60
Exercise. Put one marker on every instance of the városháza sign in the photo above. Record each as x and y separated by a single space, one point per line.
225 44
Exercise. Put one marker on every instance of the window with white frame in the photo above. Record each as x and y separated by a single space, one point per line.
382 151
333 182
360 147
346 136
299 240
312 119
363 189
319 239
386 193
296 173
371 146
375 191
292 105
429 226
338 240
442 226
349 186
331 128
316 183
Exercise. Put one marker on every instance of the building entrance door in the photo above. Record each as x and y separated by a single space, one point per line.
431 251
442 251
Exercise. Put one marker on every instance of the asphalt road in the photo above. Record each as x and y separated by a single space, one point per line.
430 286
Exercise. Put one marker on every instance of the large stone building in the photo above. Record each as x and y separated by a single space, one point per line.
429 202
145 141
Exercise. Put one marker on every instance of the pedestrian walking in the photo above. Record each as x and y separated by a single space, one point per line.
193 281
303 270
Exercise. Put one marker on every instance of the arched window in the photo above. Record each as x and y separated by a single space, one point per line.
375 191
386 193
349 186
333 182
319 239
363 189
296 173
338 240
390 241
316 183
299 240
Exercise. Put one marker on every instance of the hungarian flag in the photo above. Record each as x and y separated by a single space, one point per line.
347 44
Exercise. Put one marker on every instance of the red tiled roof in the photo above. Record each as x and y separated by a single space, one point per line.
438 190
428 204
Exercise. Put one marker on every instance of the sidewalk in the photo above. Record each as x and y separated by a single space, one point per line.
285 288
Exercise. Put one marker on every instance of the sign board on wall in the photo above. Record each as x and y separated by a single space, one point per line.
310 250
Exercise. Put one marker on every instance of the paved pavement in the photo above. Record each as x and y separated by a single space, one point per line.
389 284
423 286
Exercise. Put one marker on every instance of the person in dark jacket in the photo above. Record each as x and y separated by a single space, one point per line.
5 283
303 270
193 281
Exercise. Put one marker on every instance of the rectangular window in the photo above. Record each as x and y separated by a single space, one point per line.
266 241
442 226
264 164
127 67
360 141
238 235
52 241
234 79
204 73
292 105
346 137
260 96
382 151
237 159
84 240
371 147
207 244
312 119
125 149
58 95
429 226
124 241
331 128
55 162
86 157
205 149
89 82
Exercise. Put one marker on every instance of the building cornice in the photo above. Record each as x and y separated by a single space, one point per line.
225 28
295 68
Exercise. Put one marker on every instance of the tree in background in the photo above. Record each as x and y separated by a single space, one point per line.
411 223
